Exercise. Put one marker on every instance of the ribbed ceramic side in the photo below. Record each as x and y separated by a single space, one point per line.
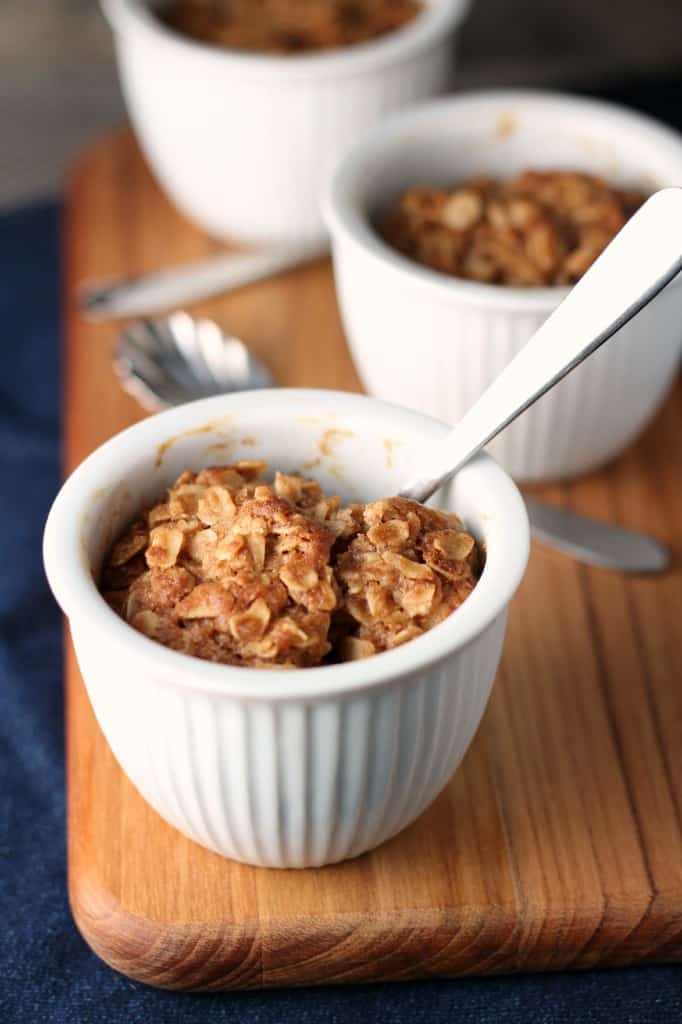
292 783
438 355
247 158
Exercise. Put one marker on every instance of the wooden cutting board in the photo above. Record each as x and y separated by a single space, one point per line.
568 850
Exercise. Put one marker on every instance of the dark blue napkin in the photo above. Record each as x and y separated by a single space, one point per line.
47 973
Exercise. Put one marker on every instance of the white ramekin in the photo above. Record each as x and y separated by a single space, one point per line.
297 768
433 342
243 142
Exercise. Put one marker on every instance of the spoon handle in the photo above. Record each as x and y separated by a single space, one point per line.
178 286
643 257
594 542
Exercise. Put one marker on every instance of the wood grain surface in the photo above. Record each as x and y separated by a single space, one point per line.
568 846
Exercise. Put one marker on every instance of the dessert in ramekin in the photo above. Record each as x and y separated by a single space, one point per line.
434 342
242 142
306 766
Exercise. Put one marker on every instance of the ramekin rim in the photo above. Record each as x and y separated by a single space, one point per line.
344 222
439 17
77 593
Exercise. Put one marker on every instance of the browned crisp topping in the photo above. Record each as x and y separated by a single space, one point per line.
405 570
288 26
540 228
277 575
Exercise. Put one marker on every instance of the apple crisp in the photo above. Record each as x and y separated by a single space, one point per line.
233 569
288 26
540 228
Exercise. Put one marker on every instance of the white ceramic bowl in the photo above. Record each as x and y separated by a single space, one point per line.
433 342
308 766
242 142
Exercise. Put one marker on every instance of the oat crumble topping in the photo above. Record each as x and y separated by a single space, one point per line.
288 26
540 228
236 570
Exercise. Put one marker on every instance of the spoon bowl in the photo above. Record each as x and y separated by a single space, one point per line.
178 359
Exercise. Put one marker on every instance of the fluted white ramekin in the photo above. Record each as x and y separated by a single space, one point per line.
300 767
433 342
242 142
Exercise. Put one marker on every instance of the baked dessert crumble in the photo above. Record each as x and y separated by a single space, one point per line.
540 228
233 569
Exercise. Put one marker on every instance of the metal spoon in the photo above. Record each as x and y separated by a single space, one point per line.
176 286
177 359
640 261
594 542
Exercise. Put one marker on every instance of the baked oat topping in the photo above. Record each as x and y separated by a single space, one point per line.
404 571
237 570
288 26
540 228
